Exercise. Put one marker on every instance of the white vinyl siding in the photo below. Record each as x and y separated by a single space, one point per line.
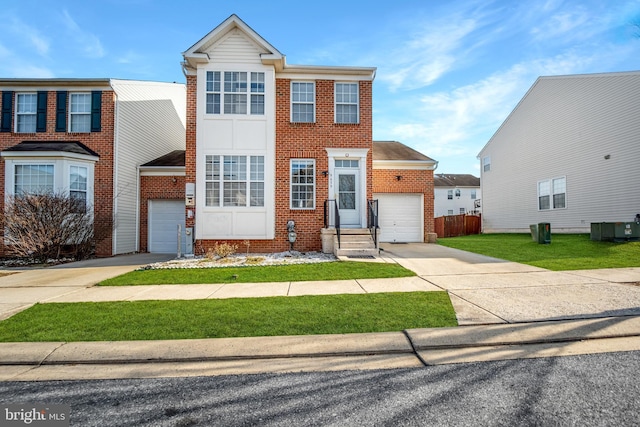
584 127
151 123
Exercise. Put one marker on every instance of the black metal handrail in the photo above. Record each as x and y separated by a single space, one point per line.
336 216
372 220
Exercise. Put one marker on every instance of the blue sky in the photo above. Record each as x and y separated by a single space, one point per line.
449 71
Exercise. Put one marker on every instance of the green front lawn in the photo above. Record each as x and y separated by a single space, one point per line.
338 270
160 320
566 251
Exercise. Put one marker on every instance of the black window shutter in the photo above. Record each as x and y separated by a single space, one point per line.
7 110
61 111
96 110
41 112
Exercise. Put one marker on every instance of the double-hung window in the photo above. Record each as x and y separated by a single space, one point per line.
26 112
78 186
346 103
449 194
486 164
303 188
234 181
234 92
80 113
552 194
473 194
303 96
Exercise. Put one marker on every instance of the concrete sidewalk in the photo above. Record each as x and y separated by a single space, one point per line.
509 310
226 356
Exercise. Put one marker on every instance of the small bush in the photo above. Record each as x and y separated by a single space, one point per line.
221 250
48 226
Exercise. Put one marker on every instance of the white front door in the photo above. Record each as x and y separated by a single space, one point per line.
348 197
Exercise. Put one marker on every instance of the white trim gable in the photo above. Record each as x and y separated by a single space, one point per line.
198 53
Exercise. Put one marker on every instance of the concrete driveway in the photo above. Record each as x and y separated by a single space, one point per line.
24 288
487 290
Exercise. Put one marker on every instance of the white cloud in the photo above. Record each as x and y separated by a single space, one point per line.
29 34
88 42
427 55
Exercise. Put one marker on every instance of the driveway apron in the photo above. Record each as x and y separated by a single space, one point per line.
487 290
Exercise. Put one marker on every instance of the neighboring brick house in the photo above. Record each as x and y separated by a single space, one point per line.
88 137
456 194
268 143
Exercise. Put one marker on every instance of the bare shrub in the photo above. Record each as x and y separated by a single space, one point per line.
221 250
48 226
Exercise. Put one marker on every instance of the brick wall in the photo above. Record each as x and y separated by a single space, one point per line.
100 142
297 141
155 188
413 181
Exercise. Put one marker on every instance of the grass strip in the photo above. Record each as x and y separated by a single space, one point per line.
338 270
241 317
565 252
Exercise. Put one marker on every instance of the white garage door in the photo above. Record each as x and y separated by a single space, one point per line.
164 217
400 217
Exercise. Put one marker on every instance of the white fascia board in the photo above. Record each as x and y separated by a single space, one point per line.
405 164
314 72
162 171
48 155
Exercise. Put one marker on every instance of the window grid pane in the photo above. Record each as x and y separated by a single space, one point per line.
346 102
302 102
235 194
80 112
33 179
302 184
228 175
26 109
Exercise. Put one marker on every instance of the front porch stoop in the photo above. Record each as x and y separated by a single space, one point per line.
355 242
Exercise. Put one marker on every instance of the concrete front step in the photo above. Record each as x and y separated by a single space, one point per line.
355 242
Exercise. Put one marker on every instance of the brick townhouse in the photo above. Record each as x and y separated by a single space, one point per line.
87 137
249 151
270 144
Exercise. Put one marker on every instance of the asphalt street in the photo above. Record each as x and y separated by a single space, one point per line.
589 390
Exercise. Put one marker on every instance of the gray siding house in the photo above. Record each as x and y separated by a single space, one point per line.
568 154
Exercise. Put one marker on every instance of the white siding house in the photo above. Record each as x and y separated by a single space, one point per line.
455 194
149 122
568 154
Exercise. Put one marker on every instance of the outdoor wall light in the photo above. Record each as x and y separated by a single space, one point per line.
398 177
325 173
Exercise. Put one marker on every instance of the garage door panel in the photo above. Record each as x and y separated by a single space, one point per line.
400 217
164 217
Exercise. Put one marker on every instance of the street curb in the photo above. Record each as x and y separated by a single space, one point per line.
412 341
